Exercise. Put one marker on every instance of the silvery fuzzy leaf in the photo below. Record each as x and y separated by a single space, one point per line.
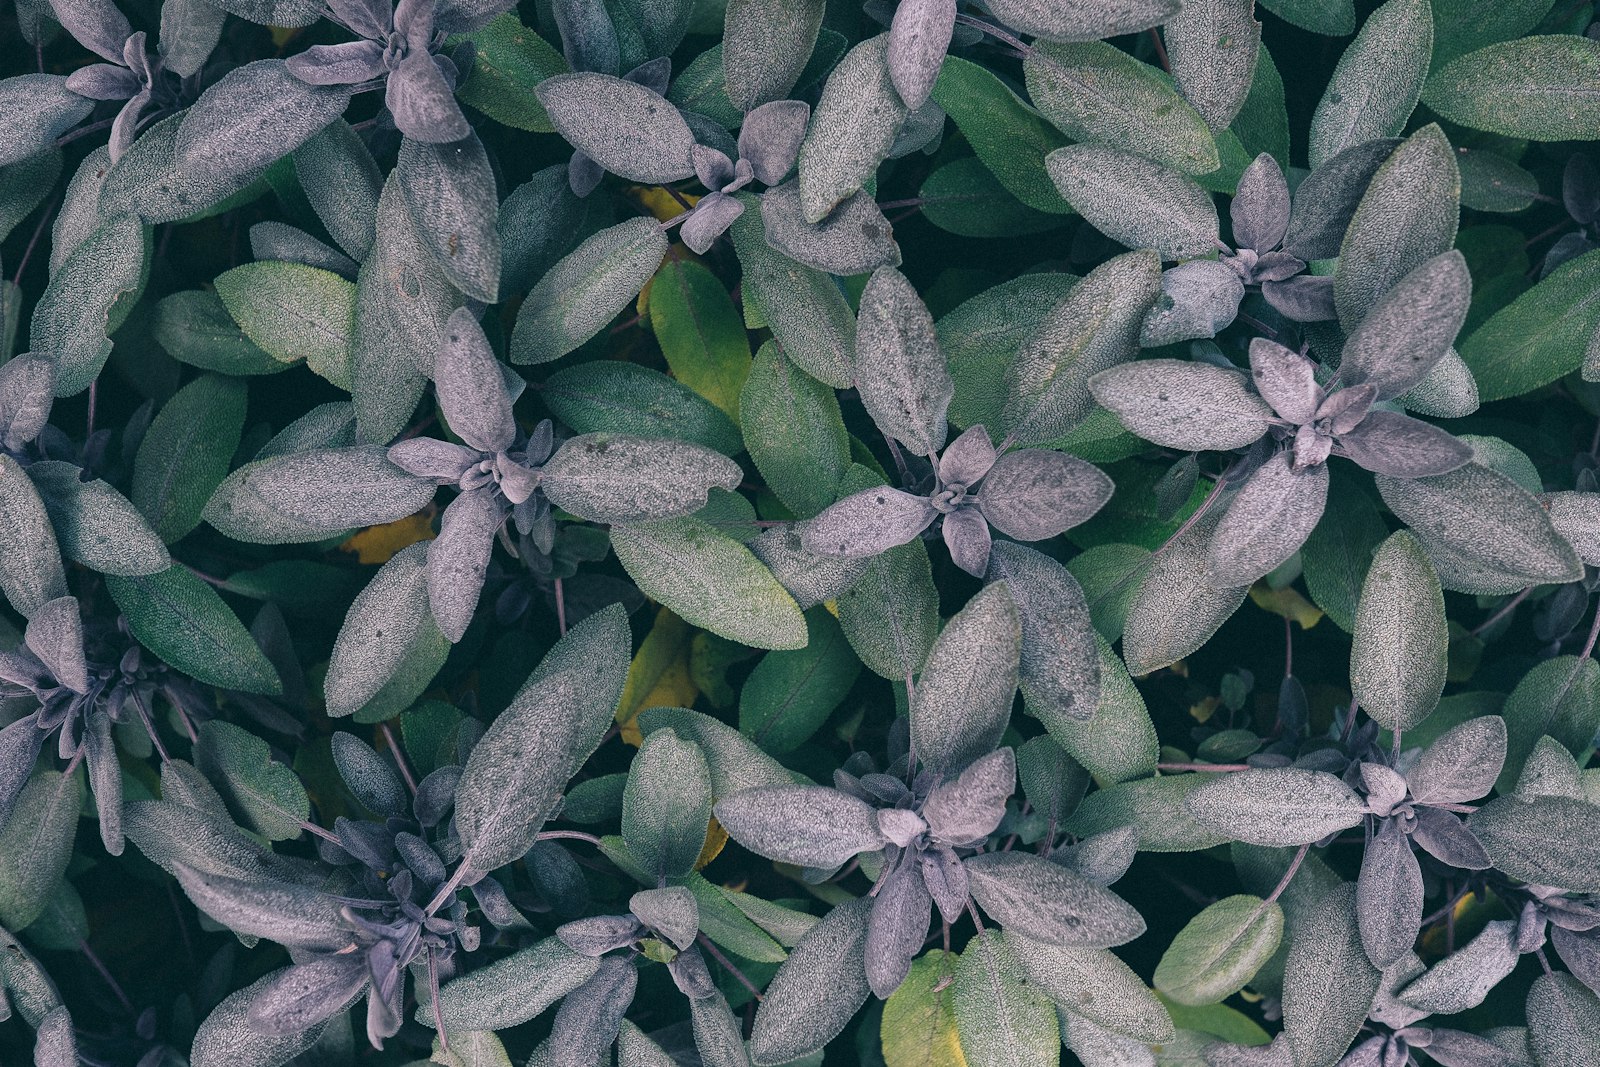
1303 298
1389 443
901 374
27 392
1190 406
586 289
289 914
962 701
105 781
20 743
348 63
1134 201
31 575
190 30
337 489
55 635
343 184
1198 299
1213 47
1094 985
968 458
946 878
672 911
95 24
806 825
1485 516
422 100
1378 80
37 835
588 36
1397 664
896 927
713 169
770 138
1178 606
817 991
1278 806
666 806
513 990
901 826
854 238
629 130
919 36
226 1038
890 614
1562 1017
1000 1018
1453 1048
766 47
599 934
617 478
735 763
518 770
1220 950
55 1042
709 220
471 393
852 130
1101 858
1463 979
104 81
966 535
1059 670
1328 982
279 241
1384 786
1345 408
1032 494
1410 327
1576 516
1389 895
1261 207
458 559
1545 840
1049 903
967 810
1267 521
227 130
297 998
1082 21
1325 200
88 298
811 578
591 1015
718 1034
1285 379
370 778
42 109
450 191
1580 951
1446 838
443 462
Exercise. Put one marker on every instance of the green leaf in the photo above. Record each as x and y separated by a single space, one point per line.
1006 134
1109 575
962 701
88 298
1119 742
609 396
510 59
1177 608
817 991
1491 182
853 126
266 795
667 805
226 1039
37 843
765 47
700 333
1559 698
294 312
1336 556
1333 17
790 694
1002 1019
583 292
1136 202
735 762
1541 335
964 197
1375 87
1094 984
183 620
1462 26
1540 88
185 454
1563 1021
383 629
919 1020
1091 91
1328 982
96 525
1397 663
1544 840
1217 953
1213 46
796 432
512 990
890 615
195 328
1157 807
982 336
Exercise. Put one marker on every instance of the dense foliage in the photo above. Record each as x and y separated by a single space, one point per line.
749 532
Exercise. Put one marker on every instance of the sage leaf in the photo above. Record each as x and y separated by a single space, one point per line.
1397 663
852 128
1378 80
181 619
1134 201
586 290
1278 806
1220 950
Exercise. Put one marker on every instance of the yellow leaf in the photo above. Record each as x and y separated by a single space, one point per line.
716 838
832 606
1288 603
1206 708
282 35
658 675
661 203
919 1019
376 544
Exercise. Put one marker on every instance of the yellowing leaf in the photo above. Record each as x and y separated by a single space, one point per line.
660 202
1206 708
700 332
716 838
376 544
659 674
1288 603
919 1022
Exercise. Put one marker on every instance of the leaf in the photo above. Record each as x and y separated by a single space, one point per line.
1118 743
1539 88
1328 983
700 333
226 1038
852 130
735 763
1562 1016
1059 672
1337 555
796 430
509 61
384 627
181 619
587 289
901 375
1333 17
1002 1020
1094 984
450 190
817 991
1095 92
1134 201
1397 663
890 615
96 525
1328 197
1220 950
1540 336
266 794
1546 840
1460 765
1278 806
1008 136
370 777
37 838
1267 521
1464 979
517 772
790 694
614 478
294 312
45 109
625 127
1179 606
962 701
1559 699
1188 406
1213 47
336 489
808 826
919 1022
1047 902
1378 80
1094 327
252 116
513 990
766 44
711 581
1408 214
1389 896
855 238
1089 21
185 453
88 298
195 328
609 396
667 805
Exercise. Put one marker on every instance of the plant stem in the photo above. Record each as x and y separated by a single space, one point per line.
728 965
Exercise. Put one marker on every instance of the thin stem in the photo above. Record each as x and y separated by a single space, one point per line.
1288 648
1594 635
1288 876
116 987
1203 767
569 835
83 131
561 608
1551 232
1256 324
997 33
1505 609
399 756
313 828
1161 50
200 574
33 242
94 395
728 966
448 889
899 459
1449 907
